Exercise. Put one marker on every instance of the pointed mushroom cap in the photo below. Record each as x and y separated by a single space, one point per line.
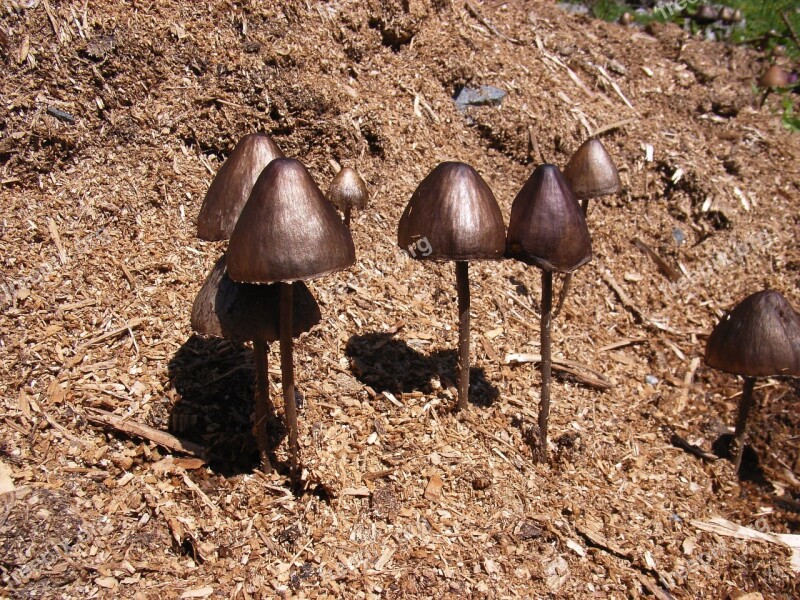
760 337
547 227
591 172
348 190
288 231
247 312
456 213
774 77
232 184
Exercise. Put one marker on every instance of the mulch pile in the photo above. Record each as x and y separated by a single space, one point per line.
114 118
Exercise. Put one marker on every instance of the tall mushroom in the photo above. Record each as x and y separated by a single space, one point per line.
453 215
548 230
230 188
760 337
348 191
244 312
288 232
590 173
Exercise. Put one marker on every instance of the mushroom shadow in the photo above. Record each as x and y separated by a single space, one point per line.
215 379
388 364
750 469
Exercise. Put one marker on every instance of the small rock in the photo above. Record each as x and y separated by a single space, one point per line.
485 95
651 379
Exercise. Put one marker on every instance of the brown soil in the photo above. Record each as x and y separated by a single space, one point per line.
115 116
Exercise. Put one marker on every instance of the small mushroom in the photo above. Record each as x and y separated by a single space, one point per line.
590 173
246 312
453 215
230 188
348 191
288 232
775 78
760 337
548 230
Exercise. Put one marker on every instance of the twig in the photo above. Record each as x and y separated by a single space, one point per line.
591 377
54 235
614 85
629 304
140 430
486 23
692 449
611 127
53 20
114 333
672 273
622 344
792 32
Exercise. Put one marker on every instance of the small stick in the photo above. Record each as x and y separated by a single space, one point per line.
671 272
591 378
611 127
140 430
462 286
546 364
792 32
692 449
745 406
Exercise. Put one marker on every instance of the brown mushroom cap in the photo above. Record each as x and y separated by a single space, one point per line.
247 312
348 190
288 231
774 77
760 337
456 213
231 186
591 172
547 227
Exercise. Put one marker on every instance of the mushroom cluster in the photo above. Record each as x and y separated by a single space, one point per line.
282 232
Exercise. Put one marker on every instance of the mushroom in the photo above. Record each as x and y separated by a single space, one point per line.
453 215
251 313
288 232
760 337
348 191
590 173
773 79
228 192
547 229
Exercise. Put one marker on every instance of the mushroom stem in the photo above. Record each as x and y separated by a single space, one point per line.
546 364
462 286
287 380
562 295
745 406
347 211
265 411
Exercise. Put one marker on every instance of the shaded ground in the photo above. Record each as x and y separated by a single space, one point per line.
114 118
